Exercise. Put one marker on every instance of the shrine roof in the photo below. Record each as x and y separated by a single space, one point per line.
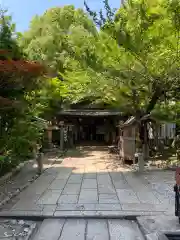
89 112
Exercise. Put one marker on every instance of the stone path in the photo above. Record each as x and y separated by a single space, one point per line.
11 187
145 227
93 183
89 229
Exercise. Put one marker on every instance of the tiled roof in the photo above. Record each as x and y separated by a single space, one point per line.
77 112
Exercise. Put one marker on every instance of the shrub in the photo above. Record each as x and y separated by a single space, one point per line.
22 138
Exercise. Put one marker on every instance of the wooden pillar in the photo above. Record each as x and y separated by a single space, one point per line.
71 135
61 135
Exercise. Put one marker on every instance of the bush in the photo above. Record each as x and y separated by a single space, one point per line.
6 164
19 142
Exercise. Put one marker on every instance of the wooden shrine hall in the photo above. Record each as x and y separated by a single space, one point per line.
81 127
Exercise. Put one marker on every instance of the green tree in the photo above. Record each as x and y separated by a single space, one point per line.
56 39
148 76
18 78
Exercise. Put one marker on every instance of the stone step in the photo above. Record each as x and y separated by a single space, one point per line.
89 229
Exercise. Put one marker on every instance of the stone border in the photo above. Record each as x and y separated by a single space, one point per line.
9 175
35 215
32 231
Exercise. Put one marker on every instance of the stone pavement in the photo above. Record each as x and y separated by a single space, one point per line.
27 174
145 227
93 183
89 229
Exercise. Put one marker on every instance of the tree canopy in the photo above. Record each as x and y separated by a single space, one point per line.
130 60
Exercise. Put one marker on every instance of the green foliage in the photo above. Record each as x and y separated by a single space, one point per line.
7 37
22 138
148 69
6 164
56 38
18 79
131 62
46 39
18 143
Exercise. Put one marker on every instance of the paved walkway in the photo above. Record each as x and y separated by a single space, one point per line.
93 183
88 229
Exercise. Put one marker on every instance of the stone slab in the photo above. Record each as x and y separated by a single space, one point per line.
159 224
75 178
144 207
50 229
97 229
26 206
123 229
90 175
107 207
21 213
74 213
49 197
147 197
57 185
116 176
108 198
89 183
52 171
127 196
83 213
88 196
68 199
48 210
104 180
106 189
73 229
88 207
63 174
71 189
121 184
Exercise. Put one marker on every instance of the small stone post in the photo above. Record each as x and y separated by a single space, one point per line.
49 131
39 161
141 162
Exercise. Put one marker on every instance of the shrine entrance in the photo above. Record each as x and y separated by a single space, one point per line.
91 130
91 127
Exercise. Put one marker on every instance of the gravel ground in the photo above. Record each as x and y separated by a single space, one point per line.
16 229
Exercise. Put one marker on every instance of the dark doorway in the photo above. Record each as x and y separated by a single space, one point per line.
93 130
